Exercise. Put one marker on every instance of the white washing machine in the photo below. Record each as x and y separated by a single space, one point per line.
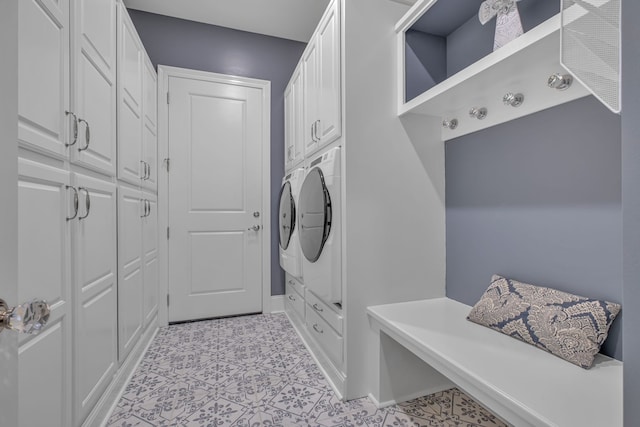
320 228
290 254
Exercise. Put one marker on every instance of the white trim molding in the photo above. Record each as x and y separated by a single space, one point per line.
164 73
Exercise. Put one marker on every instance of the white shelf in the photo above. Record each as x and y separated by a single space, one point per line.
522 66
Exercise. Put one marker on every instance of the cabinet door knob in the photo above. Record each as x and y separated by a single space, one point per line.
254 228
29 317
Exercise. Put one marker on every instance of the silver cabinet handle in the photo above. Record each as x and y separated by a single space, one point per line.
144 208
76 202
87 202
75 129
254 228
148 207
317 328
87 134
292 298
148 170
315 127
144 170
28 318
317 308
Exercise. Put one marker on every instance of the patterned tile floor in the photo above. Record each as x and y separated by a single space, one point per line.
255 371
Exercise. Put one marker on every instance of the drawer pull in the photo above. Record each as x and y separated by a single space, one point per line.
317 308
317 328
291 298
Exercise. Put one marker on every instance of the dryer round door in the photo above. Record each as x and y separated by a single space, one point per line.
287 215
315 214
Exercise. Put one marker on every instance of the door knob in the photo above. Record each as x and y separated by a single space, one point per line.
29 317
254 228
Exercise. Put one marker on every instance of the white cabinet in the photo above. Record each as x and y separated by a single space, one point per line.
130 268
322 91
137 264
94 77
137 110
44 272
95 291
150 128
43 84
150 258
129 100
294 120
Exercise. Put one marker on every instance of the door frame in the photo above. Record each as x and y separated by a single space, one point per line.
164 73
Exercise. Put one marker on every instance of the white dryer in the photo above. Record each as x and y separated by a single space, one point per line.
290 254
320 228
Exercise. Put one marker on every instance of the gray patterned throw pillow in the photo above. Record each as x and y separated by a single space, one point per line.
569 326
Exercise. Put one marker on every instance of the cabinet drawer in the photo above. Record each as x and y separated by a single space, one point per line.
324 334
325 311
295 285
295 301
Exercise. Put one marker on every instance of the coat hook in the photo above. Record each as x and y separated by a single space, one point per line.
560 81
450 123
478 113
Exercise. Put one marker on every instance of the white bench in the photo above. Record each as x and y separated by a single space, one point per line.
520 383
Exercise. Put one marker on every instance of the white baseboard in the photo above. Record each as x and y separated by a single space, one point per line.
277 303
107 403
401 399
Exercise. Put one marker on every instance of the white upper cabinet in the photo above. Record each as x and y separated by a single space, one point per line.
150 128
43 67
329 111
130 67
322 96
294 120
94 77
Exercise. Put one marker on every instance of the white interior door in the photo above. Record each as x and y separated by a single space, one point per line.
9 207
216 141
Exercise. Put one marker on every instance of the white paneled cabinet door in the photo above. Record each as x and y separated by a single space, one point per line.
150 129
44 204
297 131
94 77
130 55
43 83
310 71
150 248
130 268
329 110
288 126
95 293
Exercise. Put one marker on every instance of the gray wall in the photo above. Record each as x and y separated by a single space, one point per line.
631 207
188 44
539 200
425 62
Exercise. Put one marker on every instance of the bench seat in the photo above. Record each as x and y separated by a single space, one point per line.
523 385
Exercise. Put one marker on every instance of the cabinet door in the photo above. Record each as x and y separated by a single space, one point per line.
130 265
43 66
329 126
289 136
95 293
95 84
310 71
150 248
149 131
129 100
298 116
44 272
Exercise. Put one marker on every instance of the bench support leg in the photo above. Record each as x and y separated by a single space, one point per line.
403 375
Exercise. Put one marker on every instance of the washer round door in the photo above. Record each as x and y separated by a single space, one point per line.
315 214
287 215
